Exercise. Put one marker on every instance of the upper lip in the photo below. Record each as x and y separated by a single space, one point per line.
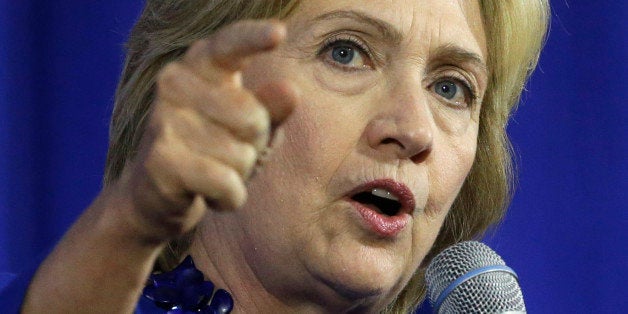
401 191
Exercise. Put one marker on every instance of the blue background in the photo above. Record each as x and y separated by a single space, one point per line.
565 234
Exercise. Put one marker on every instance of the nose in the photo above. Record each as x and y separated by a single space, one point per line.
403 127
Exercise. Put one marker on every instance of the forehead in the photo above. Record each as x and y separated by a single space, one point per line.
425 24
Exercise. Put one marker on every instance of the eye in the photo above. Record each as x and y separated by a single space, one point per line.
446 89
455 91
345 54
348 54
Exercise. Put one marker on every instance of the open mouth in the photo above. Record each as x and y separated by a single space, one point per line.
379 200
385 206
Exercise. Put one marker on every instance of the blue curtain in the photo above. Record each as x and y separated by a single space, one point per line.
565 234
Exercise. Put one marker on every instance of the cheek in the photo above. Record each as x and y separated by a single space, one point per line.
453 123
446 179
306 148
451 165
319 135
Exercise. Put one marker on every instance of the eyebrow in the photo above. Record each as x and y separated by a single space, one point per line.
457 55
389 32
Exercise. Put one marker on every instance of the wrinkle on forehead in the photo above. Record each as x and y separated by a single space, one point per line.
464 17
434 21
473 18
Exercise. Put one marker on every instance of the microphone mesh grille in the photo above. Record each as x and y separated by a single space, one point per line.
492 292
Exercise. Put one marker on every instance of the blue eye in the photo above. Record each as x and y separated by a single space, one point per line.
347 54
343 54
455 91
447 89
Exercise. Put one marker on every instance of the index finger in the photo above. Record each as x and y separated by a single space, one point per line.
230 46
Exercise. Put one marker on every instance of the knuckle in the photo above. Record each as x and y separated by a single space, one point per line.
233 188
252 119
257 123
197 49
227 187
168 79
218 42
161 131
168 75
229 179
162 183
159 157
212 97
247 156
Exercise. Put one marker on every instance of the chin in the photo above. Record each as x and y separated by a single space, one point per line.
365 278
352 293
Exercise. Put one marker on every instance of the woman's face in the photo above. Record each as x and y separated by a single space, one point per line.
365 170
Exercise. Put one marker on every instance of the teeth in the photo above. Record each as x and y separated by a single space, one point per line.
383 193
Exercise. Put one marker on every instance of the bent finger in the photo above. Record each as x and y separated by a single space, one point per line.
235 109
213 140
213 179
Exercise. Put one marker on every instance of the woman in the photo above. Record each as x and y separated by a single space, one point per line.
310 156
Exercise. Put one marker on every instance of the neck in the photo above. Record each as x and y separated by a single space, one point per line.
218 255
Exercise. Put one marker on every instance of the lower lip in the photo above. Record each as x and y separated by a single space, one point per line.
383 225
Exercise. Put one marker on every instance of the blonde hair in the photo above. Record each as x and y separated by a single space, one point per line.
515 32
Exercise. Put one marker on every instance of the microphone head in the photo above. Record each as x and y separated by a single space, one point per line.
469 277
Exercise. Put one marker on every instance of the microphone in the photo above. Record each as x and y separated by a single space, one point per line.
469 277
